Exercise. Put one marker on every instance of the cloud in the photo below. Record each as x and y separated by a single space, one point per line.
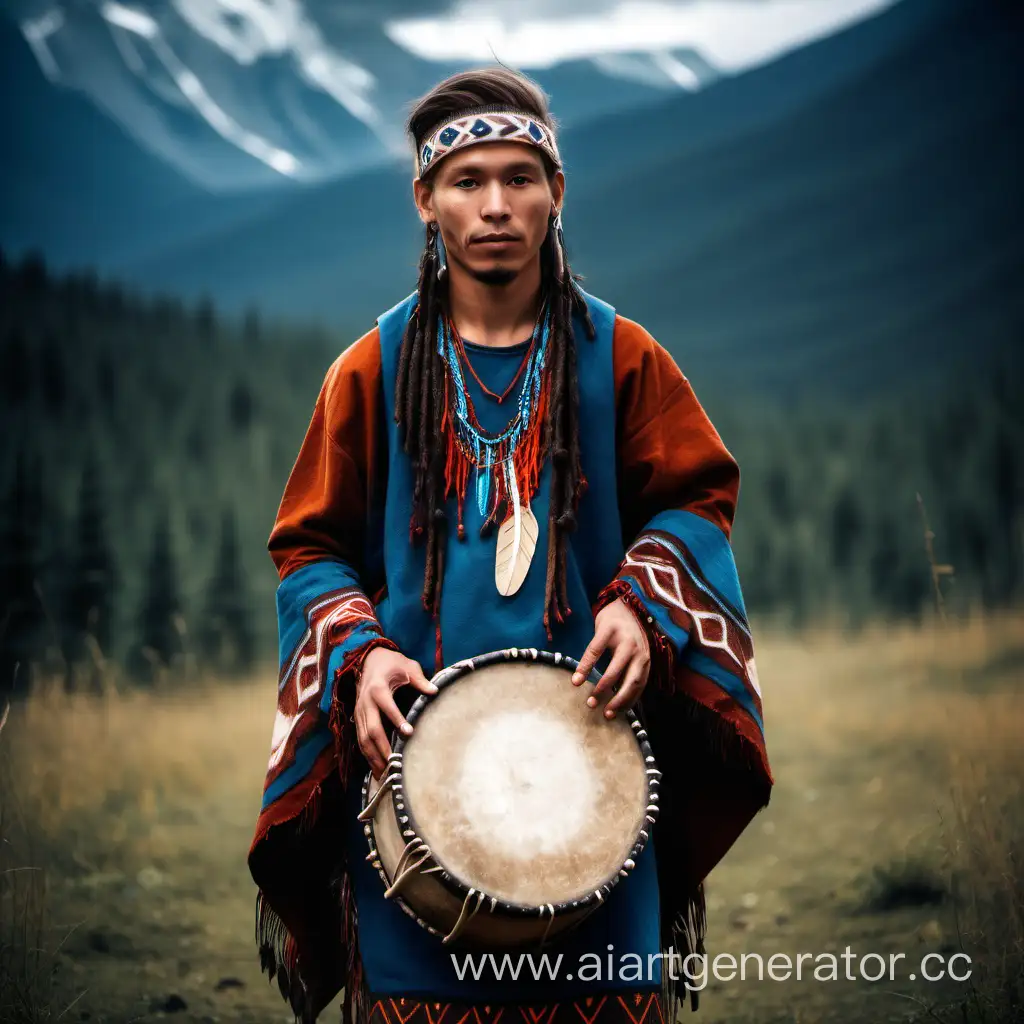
732 35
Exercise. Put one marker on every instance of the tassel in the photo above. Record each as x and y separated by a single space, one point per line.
687 932
442 258
352 1000
310 813
277 950
557 246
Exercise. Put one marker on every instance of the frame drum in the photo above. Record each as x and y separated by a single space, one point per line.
513 808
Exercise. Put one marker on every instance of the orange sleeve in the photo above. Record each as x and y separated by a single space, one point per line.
669 454
332 490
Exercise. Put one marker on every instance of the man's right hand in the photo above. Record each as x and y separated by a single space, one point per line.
384 671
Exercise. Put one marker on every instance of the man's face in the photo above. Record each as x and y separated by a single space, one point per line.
492 203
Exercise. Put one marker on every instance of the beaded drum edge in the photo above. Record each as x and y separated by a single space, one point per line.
416 856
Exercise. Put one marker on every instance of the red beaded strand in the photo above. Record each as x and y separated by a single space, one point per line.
527 459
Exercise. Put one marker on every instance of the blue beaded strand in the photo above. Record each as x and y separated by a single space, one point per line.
485 447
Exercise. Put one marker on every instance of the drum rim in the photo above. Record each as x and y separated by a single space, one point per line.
406 822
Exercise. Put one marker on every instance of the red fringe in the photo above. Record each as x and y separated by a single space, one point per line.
337 718
527 460
309 814
352 1008
279 955
438 650
278 950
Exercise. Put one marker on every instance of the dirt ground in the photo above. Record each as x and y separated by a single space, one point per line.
898 762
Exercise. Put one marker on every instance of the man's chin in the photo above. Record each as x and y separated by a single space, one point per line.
496 276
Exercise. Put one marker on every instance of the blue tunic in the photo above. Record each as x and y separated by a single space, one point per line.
399 957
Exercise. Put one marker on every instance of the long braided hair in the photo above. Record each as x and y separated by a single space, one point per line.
420 386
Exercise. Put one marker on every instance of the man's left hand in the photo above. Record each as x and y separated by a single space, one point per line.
617 630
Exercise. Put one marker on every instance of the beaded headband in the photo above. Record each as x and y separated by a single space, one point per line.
494 125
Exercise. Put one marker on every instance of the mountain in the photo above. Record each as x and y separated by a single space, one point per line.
335 250
82 190
78 189
868 239
848 214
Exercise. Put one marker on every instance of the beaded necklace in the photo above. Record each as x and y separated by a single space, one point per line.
460 346
507 463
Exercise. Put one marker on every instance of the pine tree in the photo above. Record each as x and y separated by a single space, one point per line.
160 638
206 319
107 381
15 369
23 633
1007 488
241 407
227 636
90 594
33 275
53 378
779 493
899 575
251 328
847 527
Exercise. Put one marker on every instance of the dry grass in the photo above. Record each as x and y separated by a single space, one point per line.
143 763
986 843
897 822
27 960
106 797
898 751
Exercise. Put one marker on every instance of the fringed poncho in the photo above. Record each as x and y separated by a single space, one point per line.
653 529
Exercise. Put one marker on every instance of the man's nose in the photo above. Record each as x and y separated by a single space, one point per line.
496 205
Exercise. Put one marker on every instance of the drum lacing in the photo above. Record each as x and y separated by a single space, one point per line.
463 920
551 920
393 767
406 865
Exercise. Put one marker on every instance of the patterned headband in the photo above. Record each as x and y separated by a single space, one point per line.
485 126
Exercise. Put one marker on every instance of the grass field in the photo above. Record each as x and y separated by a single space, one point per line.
896 826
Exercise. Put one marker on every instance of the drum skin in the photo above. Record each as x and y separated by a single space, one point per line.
513 808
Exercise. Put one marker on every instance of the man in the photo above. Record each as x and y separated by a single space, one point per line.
499 402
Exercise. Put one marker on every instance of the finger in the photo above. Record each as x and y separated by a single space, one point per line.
620 660
594 651
376 736
419 680
366 745
387 704
632 686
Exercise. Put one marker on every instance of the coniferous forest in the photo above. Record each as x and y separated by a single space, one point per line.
146 443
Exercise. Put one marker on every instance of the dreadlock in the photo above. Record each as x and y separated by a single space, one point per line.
420 385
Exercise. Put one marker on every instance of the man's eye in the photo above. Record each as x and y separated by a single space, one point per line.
520 179
464 181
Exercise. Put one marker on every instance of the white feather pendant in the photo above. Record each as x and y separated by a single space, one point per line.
517 541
